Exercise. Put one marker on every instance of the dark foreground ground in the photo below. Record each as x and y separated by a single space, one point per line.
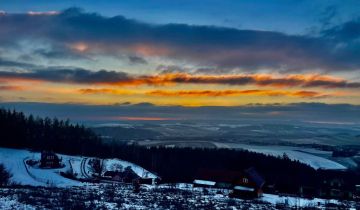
108 196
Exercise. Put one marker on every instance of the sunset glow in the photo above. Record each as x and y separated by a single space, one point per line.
92 58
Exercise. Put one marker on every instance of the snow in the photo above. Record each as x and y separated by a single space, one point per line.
309 159
204 182
294 153
244 188
7 203
117 164
76 167
14 160
295 201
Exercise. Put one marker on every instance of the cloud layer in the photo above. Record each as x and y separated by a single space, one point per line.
214 93
72 30
114 78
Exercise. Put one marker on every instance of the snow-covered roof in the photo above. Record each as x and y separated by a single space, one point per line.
204 182
243 188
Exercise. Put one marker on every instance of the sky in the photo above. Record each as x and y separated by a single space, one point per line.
180 53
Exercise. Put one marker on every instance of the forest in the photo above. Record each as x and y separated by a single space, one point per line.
172 164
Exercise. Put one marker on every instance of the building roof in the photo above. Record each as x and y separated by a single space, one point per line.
255 177
233 177
243 188
219 175
204 182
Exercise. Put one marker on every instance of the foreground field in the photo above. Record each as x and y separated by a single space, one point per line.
35 188
120 196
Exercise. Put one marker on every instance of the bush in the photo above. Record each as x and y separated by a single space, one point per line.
4 176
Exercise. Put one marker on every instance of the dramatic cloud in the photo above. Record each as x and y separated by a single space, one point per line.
137 60
216 93
229 48
248 79
105 91
82 76
345 33
9 63
64 75
11 88
210 93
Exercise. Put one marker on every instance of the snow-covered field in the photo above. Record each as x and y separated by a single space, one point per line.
118 196
14 161
10 203
50 184
310 157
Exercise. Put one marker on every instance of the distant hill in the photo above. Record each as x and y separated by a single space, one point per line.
120 133
171 164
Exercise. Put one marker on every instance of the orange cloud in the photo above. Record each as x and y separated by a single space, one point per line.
150 50
306 81
105 91
215 93
80 47
114 78
11 88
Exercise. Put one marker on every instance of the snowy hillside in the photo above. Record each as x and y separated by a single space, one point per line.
312 157
115 164
309 159
15 161
115 195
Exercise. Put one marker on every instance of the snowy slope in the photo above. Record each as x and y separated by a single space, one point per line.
114 164
14 161
312 158
309 159
295 201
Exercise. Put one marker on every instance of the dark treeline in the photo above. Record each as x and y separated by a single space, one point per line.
20 131
172 164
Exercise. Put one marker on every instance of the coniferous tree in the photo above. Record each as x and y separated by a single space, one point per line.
4 176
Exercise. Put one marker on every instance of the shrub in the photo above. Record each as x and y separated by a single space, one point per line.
4 176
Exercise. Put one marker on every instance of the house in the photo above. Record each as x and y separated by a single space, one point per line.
250 185
114 175
147 181
127 176
245 184
49 160
203 183
337 184
308 191
357 192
